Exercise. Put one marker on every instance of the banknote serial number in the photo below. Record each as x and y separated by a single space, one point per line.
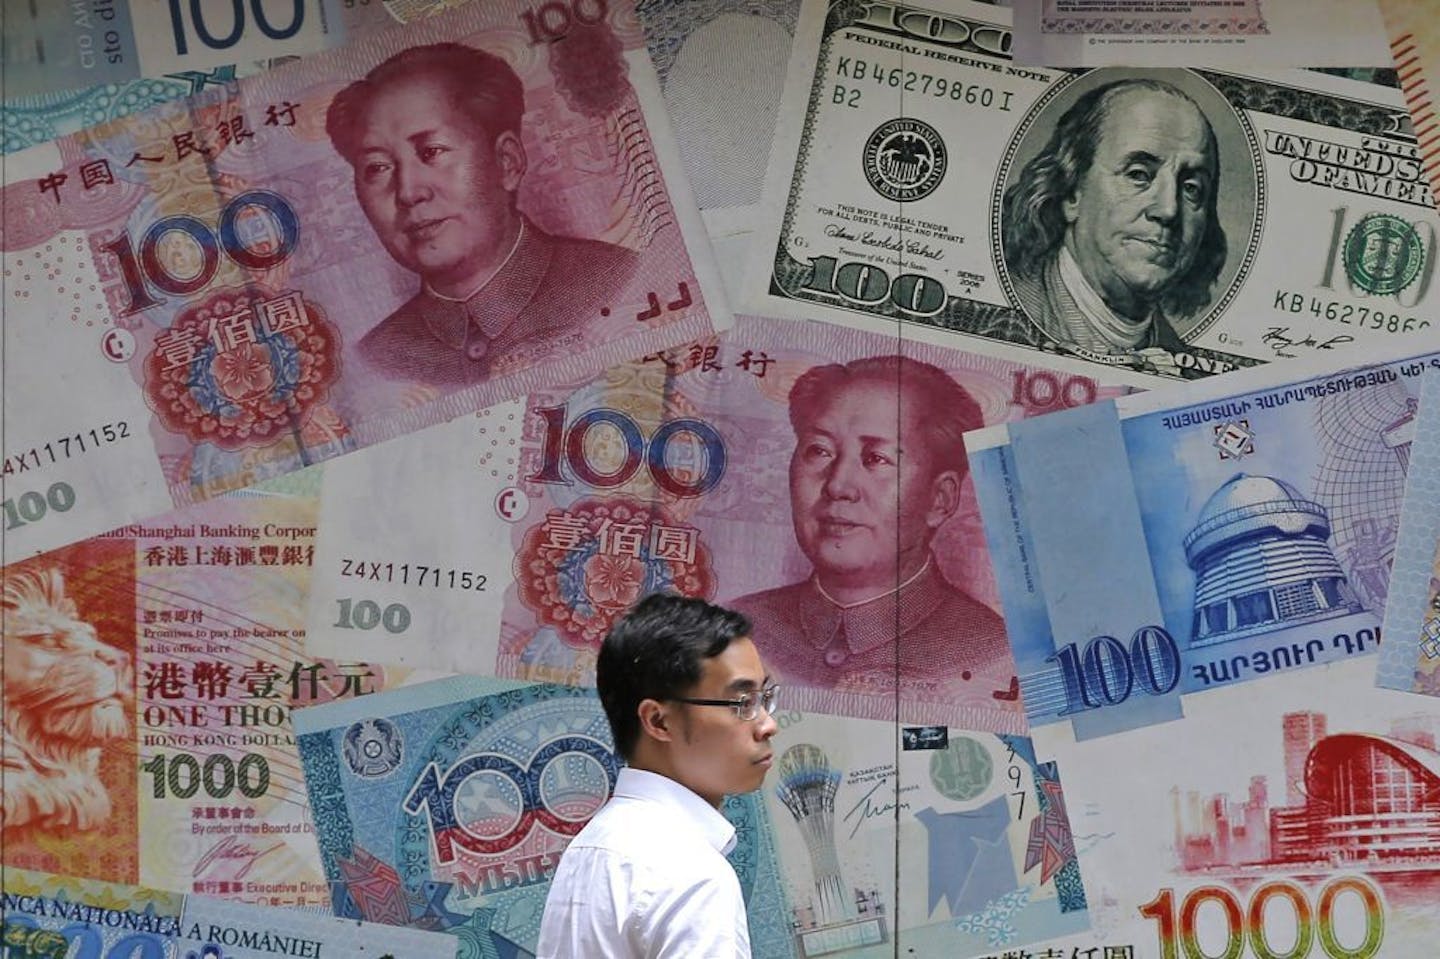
912 81
1348 314
65 448
414 574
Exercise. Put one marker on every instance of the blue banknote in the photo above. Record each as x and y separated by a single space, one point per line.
1160 545
1410 658
54 917
445 806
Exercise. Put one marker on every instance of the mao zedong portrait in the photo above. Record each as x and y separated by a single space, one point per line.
877 469
1111 233
433 137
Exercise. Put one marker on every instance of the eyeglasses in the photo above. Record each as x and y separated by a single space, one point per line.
747 707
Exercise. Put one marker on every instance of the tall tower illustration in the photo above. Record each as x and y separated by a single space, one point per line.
807 788
1301 731
1262 560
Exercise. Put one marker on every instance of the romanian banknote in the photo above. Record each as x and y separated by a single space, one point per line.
52 917
1154 549
1199 33
55 48
1290 816
446 805
149 678
1410 658
207 293
508 542
1142 224
1415 43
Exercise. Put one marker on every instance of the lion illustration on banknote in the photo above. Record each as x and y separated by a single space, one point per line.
67 696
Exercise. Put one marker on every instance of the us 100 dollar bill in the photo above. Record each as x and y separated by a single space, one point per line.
1141 223
760 470
272 273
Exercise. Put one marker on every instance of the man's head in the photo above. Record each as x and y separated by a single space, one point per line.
1128 182
433 136
669 648
878 462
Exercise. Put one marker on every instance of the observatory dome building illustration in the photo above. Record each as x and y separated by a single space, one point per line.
1262 560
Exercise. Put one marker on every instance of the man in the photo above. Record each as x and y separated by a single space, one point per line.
689 705
877 469
433 137
1111 232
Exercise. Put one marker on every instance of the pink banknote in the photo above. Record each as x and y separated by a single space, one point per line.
149 675
811 476
434 218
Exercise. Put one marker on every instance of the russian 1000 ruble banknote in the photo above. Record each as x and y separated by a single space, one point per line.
761 470
277 271
149 678
1140 224
1410 658
51 917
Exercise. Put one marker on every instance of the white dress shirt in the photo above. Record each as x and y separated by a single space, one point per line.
647 878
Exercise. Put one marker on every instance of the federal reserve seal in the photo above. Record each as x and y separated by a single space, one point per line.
1383 253
904 159
372 748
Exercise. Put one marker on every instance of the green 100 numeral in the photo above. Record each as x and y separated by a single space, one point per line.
1248 921
182 776
367 614
32 506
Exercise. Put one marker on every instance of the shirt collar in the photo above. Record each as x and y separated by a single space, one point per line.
489 310
644 785
871 625
1120 333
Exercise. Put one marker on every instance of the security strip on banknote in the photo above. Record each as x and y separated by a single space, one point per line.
1145 225
1410 658
447 805
57 916
1153 549
277 271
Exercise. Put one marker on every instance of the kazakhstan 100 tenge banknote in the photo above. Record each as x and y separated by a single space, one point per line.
428 813
1141 224
1155 549
51 917
1410 658
446 806
149 678
760 469
335 252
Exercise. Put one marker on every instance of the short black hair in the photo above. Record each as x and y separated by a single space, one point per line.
657 651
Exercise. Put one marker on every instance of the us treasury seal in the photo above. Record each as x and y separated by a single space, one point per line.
904 159
1383 254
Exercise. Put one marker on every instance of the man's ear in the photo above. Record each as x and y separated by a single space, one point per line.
655 720
1070 207
510 155
944 497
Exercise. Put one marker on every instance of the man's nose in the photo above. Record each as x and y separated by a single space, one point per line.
1164 197
765 725
840 479
412 183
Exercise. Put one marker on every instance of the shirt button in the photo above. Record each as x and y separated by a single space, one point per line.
476 350
835 656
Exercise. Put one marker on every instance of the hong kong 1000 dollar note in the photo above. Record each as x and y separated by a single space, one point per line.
1141 224
54 916
1153 550
761 470
446 806
280 270
149 678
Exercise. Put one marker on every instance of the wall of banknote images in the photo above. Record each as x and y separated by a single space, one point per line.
325 474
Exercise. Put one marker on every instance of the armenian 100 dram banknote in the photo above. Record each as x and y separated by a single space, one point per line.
149 678
760 469
1410 658
335 252
52 917
1141 224
1154 549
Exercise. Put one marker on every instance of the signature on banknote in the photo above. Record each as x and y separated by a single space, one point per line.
1281 341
